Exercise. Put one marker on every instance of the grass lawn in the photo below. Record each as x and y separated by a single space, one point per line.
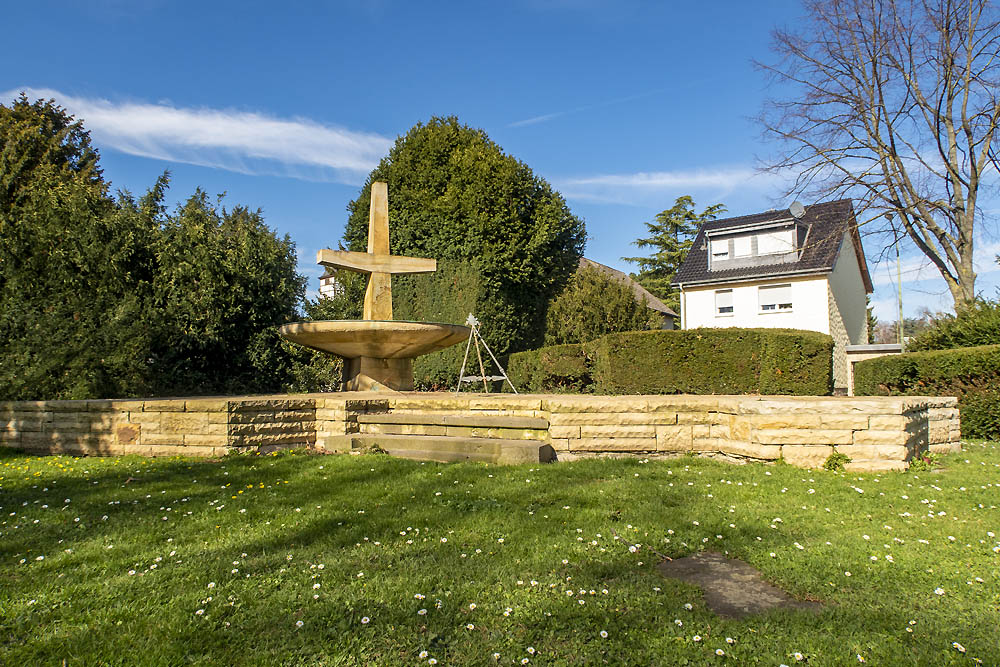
346 560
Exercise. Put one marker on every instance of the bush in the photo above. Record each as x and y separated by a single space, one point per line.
970 373
454 195
447 296
695 361
714 361
559 368
974 325
594 304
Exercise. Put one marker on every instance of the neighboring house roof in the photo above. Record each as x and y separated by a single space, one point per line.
825 226
638 290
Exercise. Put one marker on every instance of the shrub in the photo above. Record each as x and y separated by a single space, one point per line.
835 462
594 304
974 325
695 361
970 373
447 296
559 368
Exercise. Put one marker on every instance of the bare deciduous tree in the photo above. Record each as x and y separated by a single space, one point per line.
894 103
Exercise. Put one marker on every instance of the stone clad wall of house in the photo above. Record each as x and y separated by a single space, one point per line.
841 340
877 433
848 310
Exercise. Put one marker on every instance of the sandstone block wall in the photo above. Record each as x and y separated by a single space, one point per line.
877 433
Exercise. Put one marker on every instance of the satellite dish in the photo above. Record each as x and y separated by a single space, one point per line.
797 209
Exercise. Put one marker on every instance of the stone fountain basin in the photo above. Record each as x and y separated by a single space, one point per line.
379 339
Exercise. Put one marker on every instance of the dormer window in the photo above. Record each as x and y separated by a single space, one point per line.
742 246
772 243
720 249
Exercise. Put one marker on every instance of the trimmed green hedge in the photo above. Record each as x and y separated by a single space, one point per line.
694 361
557 368
970 373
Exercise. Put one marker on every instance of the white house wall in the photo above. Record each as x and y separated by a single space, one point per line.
810 309
848 289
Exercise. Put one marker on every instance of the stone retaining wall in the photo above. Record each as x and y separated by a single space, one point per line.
877 433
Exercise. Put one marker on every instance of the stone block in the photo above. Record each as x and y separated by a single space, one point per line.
505 401
871 437
740 428
751 450
614 445
403 429
700 430
564 431
502 433
329 414
164 405
804 436
339 444
560 444
874 452
206 440
806 456
148 438
603 404
697 417
71 422
183 422
611 418
147 419
127 434
945 448
673 438
206 405
889 422
719 431
619 431
65 406
822 405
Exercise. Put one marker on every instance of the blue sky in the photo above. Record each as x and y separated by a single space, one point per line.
623 106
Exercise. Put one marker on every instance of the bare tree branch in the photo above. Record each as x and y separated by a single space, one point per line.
895 103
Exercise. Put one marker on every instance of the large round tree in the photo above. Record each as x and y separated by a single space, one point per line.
454 195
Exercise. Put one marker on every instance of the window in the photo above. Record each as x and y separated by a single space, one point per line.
772 243
775 298
741 246
724 302
720 249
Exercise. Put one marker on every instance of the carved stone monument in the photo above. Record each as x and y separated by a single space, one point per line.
378 352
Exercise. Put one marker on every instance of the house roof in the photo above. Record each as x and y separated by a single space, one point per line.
826 224
638 290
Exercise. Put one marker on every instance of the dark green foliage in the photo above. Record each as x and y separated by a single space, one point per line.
975 324
594 304
223 282
313 370
835 462
671 237
105 298
970 373
714 361
558 368
446 296
695 361
455 196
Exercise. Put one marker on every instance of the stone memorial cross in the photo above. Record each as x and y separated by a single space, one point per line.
377 262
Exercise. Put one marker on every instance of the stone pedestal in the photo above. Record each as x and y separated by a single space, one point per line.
373 374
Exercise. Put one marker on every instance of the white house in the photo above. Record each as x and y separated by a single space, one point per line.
798 268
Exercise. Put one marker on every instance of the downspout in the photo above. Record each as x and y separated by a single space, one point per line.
684 315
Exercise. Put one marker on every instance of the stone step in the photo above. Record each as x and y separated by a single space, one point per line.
448 448
472 421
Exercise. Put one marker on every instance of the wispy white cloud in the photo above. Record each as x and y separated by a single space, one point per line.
240 141
538 119
635 188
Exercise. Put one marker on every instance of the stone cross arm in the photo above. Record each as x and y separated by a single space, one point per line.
363 262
